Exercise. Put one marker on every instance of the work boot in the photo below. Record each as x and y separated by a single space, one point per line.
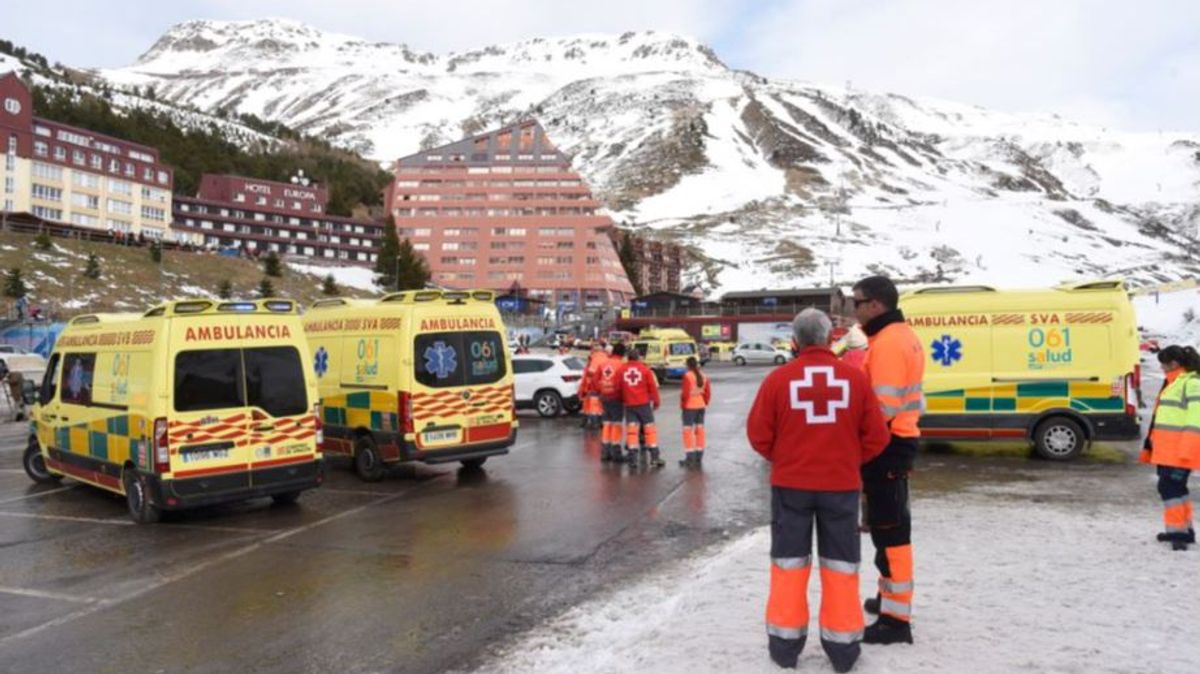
888 631
605 454
631 457
1179 544
1189 537
842 656
871 605
785 652
688 460
655 461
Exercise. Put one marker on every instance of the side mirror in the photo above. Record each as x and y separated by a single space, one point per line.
45 395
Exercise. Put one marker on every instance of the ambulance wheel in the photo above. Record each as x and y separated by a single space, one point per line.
1059 439
367 462
137 497
739 361
35 465
286 498
473 464
548 403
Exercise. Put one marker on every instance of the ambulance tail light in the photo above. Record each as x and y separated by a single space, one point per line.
162 447
320 426
404 412
1132 393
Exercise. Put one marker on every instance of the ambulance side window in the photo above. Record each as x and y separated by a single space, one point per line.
275 381
485 357
209 379
78 369
438 359
48 387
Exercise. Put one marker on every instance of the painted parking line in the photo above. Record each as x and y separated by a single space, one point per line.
43 594
37 494
187 572
121 521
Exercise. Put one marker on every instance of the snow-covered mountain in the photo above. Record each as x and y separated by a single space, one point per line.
771 182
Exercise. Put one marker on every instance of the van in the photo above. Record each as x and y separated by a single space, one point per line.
413 376
665 351
1057 367
193 403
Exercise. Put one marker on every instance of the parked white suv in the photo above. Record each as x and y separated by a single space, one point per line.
548 383
759 353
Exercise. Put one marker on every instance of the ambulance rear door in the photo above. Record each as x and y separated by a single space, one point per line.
461 391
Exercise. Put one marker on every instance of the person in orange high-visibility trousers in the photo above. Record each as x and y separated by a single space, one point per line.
639 394
817 421
593 410
694 399
605 381
895 365
1173 444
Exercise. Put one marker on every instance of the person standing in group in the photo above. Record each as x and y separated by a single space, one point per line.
606 383
856 348
694 398
817 421
895 366
1173 444
589 397
639 394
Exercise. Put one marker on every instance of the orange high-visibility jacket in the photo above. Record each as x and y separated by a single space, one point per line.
585 384
693 397
1175 439
896 366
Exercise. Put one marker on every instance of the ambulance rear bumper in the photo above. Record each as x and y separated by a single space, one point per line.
192 492
1114 427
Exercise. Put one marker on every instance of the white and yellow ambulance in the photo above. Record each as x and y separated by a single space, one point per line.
193 403
1058 367
665 351
413 376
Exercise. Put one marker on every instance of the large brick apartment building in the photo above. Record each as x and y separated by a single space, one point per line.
505 208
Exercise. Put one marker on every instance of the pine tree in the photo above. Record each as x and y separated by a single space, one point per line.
330 287
156 252
266 288
43 241
92 270
272 266
412 270
629 262
389 249
14 284
225 290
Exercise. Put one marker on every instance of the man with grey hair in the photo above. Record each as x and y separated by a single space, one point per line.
817 421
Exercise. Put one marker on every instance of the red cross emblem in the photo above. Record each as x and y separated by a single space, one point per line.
820 394
633 377
607 372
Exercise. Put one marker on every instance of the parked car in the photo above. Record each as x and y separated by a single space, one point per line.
760 353
9 348
548 383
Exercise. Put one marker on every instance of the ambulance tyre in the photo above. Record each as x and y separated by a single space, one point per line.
1059 439
367 462
473 464
35 464
548 403
137 497
286 498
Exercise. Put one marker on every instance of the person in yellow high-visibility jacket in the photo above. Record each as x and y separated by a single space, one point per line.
1174 442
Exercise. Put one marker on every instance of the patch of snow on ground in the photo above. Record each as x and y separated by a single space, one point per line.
1164 315
1000 588
361 278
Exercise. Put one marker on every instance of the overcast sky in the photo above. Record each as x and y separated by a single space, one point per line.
1132 65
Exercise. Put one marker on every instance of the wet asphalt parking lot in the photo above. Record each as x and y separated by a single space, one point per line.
429 570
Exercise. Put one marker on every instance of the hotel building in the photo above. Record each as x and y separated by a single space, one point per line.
504 209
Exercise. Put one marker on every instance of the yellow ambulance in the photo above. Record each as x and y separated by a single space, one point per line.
192 403
1058 367
413 376
665 351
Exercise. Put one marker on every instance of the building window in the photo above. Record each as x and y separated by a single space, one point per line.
118 206
129 170
120 186
151 213
89 181
47 171
46 192
60 153
97 162
48 213
85 200
261 201
41 149
163 177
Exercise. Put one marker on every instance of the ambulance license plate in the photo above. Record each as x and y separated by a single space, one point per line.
439 437
204 455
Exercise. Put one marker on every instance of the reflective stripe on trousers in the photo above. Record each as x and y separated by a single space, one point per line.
896 589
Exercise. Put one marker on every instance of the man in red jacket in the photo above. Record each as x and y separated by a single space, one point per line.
639 393
605 381
817 421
